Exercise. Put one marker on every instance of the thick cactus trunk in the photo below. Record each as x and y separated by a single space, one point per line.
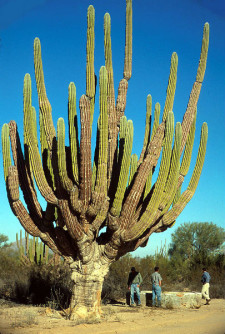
86 294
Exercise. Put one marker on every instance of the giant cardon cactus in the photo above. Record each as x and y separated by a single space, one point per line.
99 210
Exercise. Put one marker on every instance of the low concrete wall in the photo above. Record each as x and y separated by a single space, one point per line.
170 300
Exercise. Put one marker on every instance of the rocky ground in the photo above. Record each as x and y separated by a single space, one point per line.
116 319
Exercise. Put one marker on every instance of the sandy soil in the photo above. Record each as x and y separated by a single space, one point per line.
116 319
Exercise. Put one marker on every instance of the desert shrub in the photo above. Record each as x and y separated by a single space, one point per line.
49 285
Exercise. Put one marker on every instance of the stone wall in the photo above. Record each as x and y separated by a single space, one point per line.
170 300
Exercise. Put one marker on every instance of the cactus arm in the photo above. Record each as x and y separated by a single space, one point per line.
147 128
73 131
25 181
171 88
128 44
192 104
74 227
171 183
154 129
112 121
133 167
123 85
186 160
170 186
124 168
46 158
186 196
101 180
121 100
100 204
156 120
85 151
40 178
13 184
6 150
152 156
44 104
36 163
65 180
135 230
90 72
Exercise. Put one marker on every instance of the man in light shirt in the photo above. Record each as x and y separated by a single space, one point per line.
156 280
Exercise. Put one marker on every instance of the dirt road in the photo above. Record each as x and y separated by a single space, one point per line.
117 319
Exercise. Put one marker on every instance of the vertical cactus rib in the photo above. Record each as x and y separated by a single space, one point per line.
128 44
90 72
65 180
136 230
171 88
192 103
186 196
101 179
85 151
6 150
44 103
124 167
73 131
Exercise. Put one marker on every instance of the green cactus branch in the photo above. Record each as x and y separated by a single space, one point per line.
44 104
73 131
128 44
90 71
192 103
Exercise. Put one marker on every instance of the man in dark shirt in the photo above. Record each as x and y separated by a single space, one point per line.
134 282
205 285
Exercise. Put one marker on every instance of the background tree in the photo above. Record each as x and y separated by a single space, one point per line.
4 242
195 243
96 213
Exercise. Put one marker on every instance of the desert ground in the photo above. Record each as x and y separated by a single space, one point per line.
116 319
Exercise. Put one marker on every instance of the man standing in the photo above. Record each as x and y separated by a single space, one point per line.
134 282
205 285
156 280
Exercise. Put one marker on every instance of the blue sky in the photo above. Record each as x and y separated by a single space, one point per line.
160 27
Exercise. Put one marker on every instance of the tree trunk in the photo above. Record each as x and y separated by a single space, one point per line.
86 295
